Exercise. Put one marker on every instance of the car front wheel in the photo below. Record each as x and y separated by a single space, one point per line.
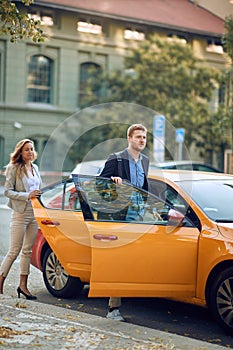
56 279
221 299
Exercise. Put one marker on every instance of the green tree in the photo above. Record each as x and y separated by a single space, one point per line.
228 45
16 23
228 36
166 77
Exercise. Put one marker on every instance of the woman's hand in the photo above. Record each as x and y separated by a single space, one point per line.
34 194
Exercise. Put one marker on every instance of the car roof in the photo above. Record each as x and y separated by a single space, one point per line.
186 165
179 162
91 167
94 167
187 175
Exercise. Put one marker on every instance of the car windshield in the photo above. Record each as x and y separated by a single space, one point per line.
215 198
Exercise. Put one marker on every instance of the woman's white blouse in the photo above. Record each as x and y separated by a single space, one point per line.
32 182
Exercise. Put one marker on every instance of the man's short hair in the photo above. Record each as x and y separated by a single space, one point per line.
134 127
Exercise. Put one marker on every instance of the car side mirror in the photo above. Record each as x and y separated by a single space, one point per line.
175 218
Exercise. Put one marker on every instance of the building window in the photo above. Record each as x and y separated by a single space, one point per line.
2 69
2 144
214 46
1 76
179 39
130 34
88 27
45 19
40 142
88 71
222 93
39 82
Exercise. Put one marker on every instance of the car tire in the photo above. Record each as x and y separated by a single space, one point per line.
221 299
56 279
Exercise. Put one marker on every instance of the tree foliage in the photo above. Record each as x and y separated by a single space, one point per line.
17 24
228 45
228 36
167 77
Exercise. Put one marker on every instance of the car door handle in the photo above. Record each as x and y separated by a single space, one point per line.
50 223
105 237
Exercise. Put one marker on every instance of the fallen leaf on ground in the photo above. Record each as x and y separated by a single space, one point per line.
7 332
20 305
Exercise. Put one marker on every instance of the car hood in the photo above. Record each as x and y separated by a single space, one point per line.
226 229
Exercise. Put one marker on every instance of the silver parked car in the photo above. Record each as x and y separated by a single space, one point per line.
185 165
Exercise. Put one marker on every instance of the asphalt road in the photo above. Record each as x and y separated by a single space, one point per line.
161 314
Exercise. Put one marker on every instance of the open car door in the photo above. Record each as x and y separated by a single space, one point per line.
139 245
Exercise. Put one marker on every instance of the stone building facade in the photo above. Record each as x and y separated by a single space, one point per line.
41 84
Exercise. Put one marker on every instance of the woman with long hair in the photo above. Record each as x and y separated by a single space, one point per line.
23 182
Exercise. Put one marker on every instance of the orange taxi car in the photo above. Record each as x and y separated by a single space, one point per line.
175 241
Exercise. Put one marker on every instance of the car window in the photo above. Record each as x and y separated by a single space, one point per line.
108 201
52 196
70 198
111 202
200 167
61 196
168 194
173 198
184 166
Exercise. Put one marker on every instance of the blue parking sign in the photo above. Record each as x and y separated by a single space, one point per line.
180 135
159 138
159 126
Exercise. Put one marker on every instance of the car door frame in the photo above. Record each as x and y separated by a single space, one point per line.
123 258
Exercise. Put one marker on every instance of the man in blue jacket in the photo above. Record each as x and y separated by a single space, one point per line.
130 165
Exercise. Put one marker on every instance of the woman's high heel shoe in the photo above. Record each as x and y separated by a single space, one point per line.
27 296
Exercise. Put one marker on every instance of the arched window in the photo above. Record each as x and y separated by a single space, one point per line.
88 70
40 143
2 145
39 82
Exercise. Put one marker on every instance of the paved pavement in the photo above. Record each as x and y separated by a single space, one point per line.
28 324
1 190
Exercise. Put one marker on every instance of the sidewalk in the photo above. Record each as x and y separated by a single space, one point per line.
28 324
1 190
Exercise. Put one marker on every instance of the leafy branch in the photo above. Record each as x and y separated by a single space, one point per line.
17 24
